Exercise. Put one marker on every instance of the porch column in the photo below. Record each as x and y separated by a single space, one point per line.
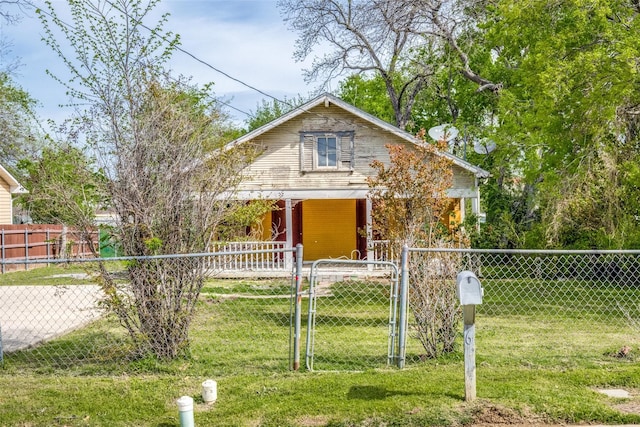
475 202
463 209
370 248
288 226
475 205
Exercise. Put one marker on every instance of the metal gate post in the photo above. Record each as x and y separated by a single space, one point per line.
311 318
404 294
3 243
298 310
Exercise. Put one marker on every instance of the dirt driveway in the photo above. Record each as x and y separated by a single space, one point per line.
30 315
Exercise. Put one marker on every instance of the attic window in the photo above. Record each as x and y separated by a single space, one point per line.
326 151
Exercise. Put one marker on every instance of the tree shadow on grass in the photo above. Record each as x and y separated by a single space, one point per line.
80 349
368 392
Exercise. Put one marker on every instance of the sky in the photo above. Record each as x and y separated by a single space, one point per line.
246 39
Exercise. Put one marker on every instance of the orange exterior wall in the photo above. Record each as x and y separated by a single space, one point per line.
453 217
262 231
329 228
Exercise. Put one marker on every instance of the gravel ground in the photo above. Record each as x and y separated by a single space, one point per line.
30 315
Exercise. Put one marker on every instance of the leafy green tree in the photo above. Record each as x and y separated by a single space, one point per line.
402 42
369 94
157 139
64 187
19 128
553 84
567 113
19 137
450 98
267 111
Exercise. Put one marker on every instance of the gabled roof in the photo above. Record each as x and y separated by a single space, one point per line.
14 185
327 99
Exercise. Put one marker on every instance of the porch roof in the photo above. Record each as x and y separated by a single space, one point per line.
327 193
14 185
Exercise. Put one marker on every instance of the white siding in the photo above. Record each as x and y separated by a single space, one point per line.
278 168
5 203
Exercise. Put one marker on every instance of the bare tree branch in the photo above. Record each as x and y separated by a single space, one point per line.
363 37
383 37
12 17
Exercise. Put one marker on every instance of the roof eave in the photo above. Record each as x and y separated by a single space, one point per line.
327 99
14 185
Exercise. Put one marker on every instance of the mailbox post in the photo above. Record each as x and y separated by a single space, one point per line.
470 294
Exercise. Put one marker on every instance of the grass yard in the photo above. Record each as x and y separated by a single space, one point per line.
542 366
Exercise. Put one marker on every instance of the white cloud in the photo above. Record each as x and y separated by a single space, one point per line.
246 39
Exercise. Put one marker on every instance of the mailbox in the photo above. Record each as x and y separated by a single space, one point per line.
470 295
469 288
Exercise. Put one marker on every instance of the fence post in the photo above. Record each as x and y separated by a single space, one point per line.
404 293
1 351
3 252
47 236
288 214
26 248
469 334
298 310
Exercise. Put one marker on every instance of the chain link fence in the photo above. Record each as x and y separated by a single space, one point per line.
542 305
352 321
538 307
55 315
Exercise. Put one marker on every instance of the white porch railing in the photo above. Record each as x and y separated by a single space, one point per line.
273 256
383 251
241 256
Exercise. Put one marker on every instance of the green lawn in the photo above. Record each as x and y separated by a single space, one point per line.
541 365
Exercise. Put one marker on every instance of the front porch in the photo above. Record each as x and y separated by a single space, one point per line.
336 223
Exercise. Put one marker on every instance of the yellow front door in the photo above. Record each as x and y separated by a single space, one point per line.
329 229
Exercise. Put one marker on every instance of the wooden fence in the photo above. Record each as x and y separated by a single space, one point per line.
42 241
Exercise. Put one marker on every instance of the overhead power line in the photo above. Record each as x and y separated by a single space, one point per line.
191 55
207 64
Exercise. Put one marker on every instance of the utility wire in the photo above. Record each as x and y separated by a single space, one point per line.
178 48
292 106
203 62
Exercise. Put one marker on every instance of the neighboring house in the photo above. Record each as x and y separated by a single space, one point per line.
8 187
315 162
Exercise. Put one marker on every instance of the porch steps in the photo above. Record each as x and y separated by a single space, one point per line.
324 275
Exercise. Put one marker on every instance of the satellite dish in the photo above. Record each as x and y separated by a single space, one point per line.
443 133
484 146
20 190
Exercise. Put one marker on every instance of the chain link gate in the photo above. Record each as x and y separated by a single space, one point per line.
346 325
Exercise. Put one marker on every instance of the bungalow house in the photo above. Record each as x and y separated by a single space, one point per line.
8 187
314 163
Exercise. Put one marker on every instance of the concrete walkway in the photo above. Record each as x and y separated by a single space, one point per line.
30 315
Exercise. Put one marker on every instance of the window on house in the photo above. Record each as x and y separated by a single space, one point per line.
327 151
322 151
